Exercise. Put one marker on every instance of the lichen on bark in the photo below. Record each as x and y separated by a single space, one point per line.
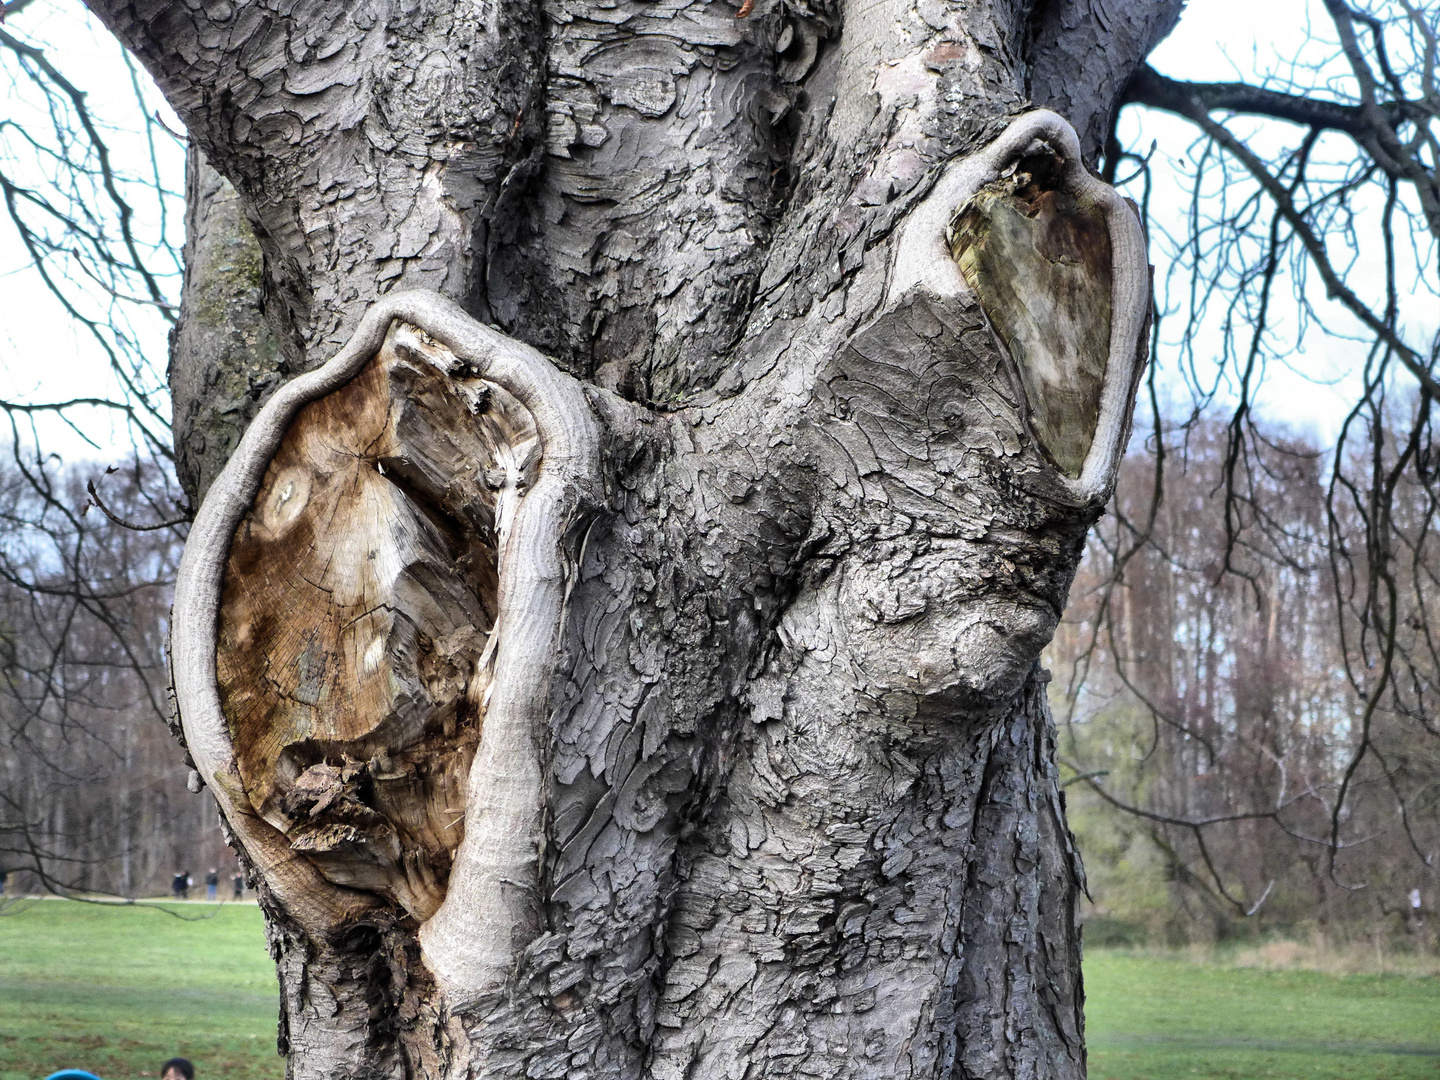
225 359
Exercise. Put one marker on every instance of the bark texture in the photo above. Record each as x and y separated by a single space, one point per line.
1085 52
762 778
224 358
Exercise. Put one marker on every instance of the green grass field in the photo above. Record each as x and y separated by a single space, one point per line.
117 990
1151 1018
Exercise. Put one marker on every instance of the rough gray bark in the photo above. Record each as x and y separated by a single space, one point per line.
224 358
793 807
1085 52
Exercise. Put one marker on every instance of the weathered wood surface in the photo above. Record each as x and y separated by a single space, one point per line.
359 598
1040 261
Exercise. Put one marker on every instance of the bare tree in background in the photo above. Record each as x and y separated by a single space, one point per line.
94 798
1314 212
95 208
90 206
92 793
1206 693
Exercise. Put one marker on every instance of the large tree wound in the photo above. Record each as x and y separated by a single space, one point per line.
357 619
1040 261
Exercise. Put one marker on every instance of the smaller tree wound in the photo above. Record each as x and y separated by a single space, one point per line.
1039 259
1056 259
358 615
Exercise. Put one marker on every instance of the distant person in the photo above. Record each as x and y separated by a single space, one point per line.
239 883
177 885
189 881
2 882
212 884
177 1069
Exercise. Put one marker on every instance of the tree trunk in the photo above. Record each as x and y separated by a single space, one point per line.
663 702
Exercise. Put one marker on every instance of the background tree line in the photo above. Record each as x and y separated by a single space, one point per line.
1214 681
93 791
92 785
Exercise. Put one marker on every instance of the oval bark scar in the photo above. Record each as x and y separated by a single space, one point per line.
1060 388
1039 260
355 610
356 800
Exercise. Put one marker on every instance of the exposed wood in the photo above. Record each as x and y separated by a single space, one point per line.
946 542
359 599
1040 261
393 1006
926 257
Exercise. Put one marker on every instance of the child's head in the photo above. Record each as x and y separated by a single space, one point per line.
177 1069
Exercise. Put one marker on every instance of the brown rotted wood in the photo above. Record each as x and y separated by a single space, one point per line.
358 603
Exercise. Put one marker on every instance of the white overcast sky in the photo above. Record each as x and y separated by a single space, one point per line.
1310 389
43 357
44 354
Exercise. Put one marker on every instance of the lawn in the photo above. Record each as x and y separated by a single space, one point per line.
1168 1018
117 990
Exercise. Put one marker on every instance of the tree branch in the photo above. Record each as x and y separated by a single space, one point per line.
99 504
1196 111
1151 88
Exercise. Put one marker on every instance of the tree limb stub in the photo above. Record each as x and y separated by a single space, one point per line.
1040 263
1057 259
382 569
